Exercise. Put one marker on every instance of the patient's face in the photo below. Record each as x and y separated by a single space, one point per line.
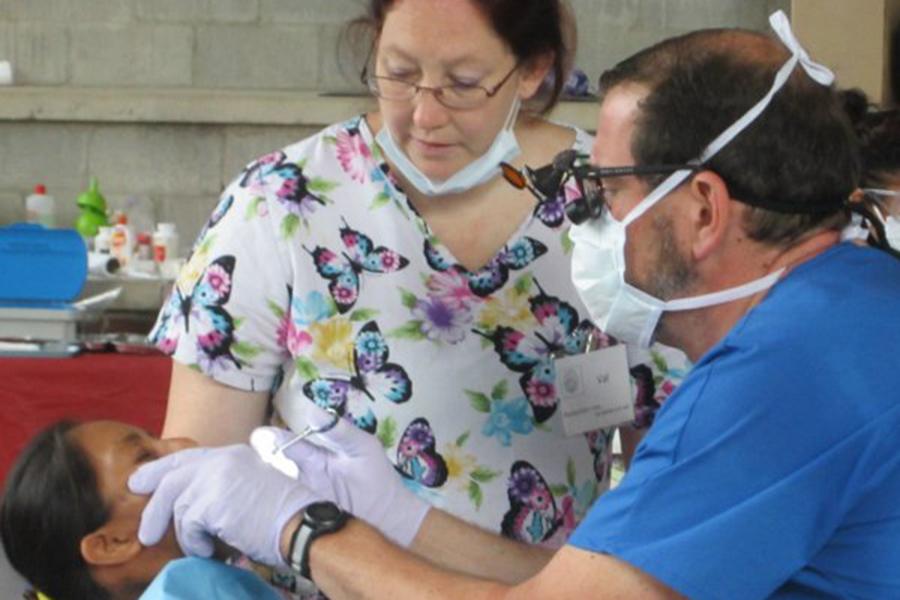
116 450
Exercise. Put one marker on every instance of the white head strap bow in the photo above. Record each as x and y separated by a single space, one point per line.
780 24
819 73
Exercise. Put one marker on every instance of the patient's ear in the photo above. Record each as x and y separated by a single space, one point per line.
112 544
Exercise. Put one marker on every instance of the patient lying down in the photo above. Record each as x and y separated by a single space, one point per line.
69 523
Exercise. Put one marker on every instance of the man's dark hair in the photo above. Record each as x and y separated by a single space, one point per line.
50 503
800 151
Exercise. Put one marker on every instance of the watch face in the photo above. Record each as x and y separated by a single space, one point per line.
323 512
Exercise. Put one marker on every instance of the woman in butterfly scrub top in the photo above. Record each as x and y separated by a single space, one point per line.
343 267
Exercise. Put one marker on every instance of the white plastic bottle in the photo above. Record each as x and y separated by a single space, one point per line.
165 242
102 240
121 240
165 249
40 207
142 261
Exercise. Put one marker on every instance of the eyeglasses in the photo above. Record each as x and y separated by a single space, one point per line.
887 200
462 96
875 206
547 182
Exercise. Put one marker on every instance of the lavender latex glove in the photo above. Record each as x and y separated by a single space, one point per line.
348 466
226 493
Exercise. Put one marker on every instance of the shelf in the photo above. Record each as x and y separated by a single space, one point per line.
137 294
206 106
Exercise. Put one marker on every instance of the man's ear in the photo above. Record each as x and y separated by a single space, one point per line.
112 544
712 213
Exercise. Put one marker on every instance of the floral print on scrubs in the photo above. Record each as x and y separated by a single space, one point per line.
316 271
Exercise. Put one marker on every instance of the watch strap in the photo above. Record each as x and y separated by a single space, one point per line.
311 528
299 552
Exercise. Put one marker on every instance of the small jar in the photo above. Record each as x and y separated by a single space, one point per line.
165 243
144 246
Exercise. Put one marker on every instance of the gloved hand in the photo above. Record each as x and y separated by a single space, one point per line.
226 493
349 466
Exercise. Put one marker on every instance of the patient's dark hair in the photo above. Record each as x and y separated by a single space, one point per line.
51 501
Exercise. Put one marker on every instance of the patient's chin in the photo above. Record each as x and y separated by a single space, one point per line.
168 546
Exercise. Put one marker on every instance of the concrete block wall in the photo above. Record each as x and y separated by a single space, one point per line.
611 30
256 44
174 172
178 169
280 44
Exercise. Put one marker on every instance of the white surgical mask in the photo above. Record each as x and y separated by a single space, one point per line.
504 148
620 309
598 257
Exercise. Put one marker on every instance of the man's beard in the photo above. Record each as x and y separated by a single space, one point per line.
672 273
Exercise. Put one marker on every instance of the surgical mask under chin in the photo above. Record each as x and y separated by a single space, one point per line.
598 256
504 148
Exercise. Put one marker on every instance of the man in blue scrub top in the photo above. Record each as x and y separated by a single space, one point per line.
773 471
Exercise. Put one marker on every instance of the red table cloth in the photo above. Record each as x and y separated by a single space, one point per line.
35 392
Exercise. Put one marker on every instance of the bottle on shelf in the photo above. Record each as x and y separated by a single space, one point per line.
144 246
40 207
103 239
121 241
142 261
165 249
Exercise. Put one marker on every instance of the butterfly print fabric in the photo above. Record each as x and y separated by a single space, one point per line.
532 516
373 379
200 312
417 458
343 269
559 332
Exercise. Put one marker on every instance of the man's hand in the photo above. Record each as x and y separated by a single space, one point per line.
348 466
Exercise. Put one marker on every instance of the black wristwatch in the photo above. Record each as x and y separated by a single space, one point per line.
319 518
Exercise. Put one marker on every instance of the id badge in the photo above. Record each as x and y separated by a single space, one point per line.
595 390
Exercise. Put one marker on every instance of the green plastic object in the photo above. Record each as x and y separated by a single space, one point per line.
89 223
92 198
93 211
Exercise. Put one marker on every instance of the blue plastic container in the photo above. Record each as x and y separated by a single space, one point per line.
40 267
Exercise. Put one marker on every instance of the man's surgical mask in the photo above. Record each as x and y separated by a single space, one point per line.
504 148
617 307
598 257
